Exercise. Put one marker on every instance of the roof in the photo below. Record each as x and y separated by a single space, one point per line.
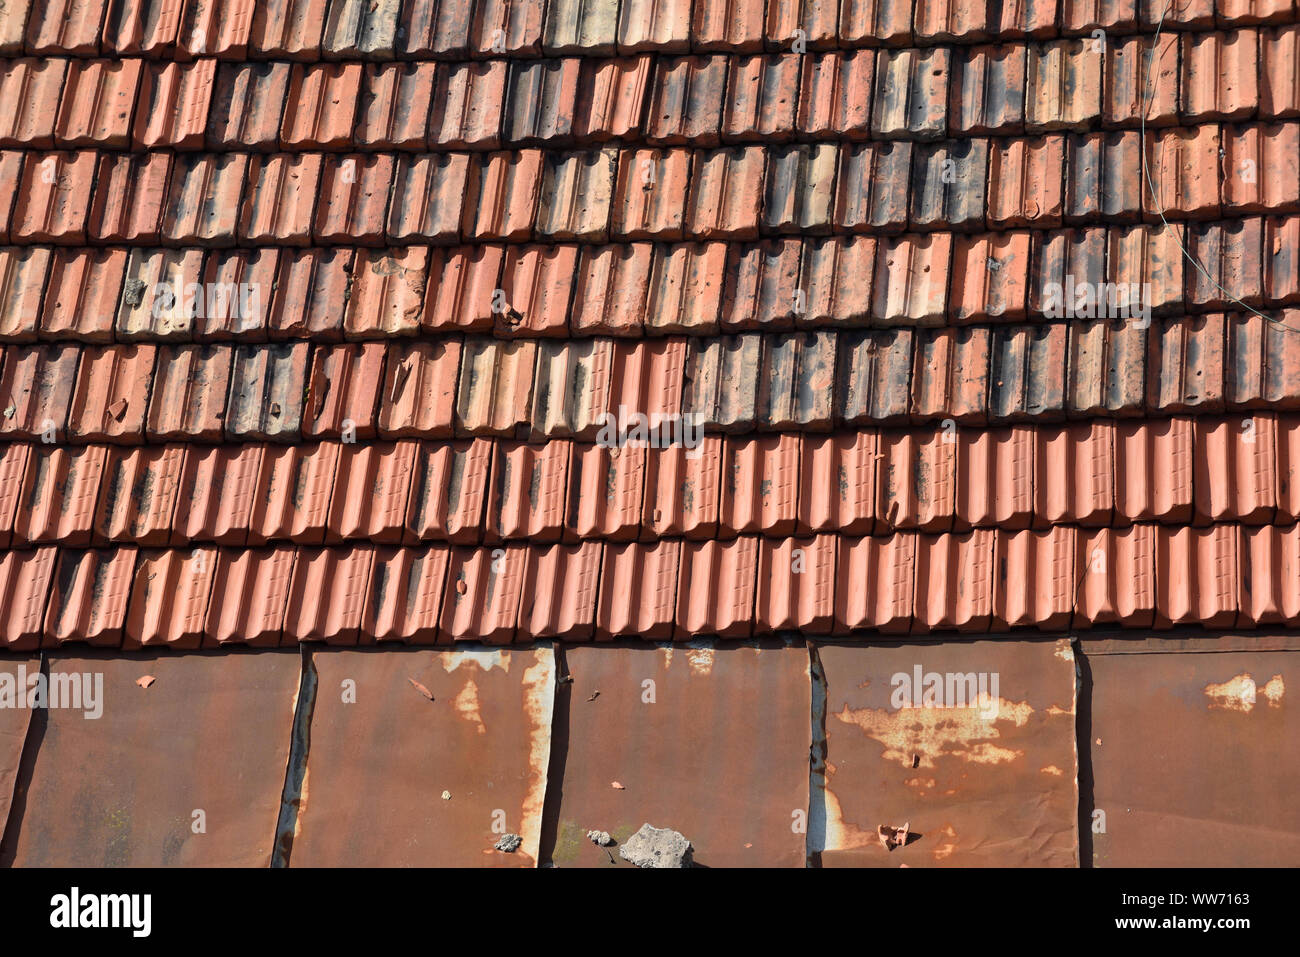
315 314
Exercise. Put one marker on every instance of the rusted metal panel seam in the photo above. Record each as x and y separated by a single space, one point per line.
295 777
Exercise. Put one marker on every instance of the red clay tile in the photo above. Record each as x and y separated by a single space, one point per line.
494 396
835 277
1236 477
173 104
943 21
1231 255
462 290
239 288
141 27
954 582
428 198
11 163
799 195
722 382
342 391
138 497
188 398
726 194
612 288
508 28
405 595
279 199
1106 372
22 283
561 585
654 25
720 580
88 597
1158 447
395 104
911 94
911 280
990 277
576 195
1109 16
1261 168
996 474
682 490
1059 255
13 27
64 27
203 201
1099 180
419 386
796 585
1026 371
24 590
540 98
320 107
948 185
266 393
529 491
917 480
97 102
760 101
1282 259
647 195
1270 564
60 488
1279 75
1219 73
1287 439
847 502
760 485
53 199
36 386
108 404
1196 576
169 598
875 22
605 490
344 575
250 596
1074 474
508 188
1035 579
685 288
1151 256
1117 577
875 582
13 464
875 369
572 26
1261 367
538 285
1025 183
950 375
1184 168
448 491
638 590
370 492
353 202
762 285
130 197
247 106
310 285
721 25
1063 85
686 101
1137 76
1185 364
360 29
483 594
611 98
873 187
434 29
219 28
1253 11
215 500
467 102
987 92
157 300
386 297
292 497
835 95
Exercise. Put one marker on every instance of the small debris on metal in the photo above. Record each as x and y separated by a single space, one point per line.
601 838
657 847
616 786
593 696
446 795
509 843
421 688
892 837
145 680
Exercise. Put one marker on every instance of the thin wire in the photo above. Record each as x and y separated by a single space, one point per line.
1148 95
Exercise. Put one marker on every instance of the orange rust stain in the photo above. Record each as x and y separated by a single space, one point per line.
932 733
1240 693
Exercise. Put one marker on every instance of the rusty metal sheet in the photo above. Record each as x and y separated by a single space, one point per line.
709 741
14 723
1193 758
209 734
425 758
978 781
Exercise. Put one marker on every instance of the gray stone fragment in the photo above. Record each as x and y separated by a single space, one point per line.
509 843
656 847
600 837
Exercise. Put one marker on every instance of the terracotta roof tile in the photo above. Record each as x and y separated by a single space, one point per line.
1231 255
538 285
686 100
1236 470
1186 367
911 278
405 595
572 26
188 395
510 27
1152 257
835 278
292 497
279 199
509 186
1106 368
638 590
24 588
462 290
53 196
36 386
561 582
723 580
796 585
647 195
539 100
1269 561
726 26
760 485
948 185
1024 182
215 500
320 106
370 493
1084 16
419 383
434 28
288 29
1099 180
468 99
247 105
683 491
1196 576
494 395
1162 448
448 491
987 92
1184 168
1252 11
266 390
611 98
761 98
202 205
576 196
173 104
1138 76
1261 168
97 102
612 286
529 491
108 403
341 573
169 598
1279 79
990 277
64 27
60 488
872 22
799 196
722 381
234 284
342 391
13 27
873 376
1026 372
1219 75
360 28
11 163
873 185
483 594
605 493
250 596
14 457
887 567
23 274
309 286
835 95
386 296
911 94
1117 575
130 197
1281 265
138 499
88 597
762 285
1064 82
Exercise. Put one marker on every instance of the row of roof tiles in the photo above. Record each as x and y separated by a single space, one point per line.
562 290
384 29
703 100
742 193
1145 576
1240 469
802 381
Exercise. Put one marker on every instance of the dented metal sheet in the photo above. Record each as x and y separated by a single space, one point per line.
711 741
968 745
1192 755
425 758
187 771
